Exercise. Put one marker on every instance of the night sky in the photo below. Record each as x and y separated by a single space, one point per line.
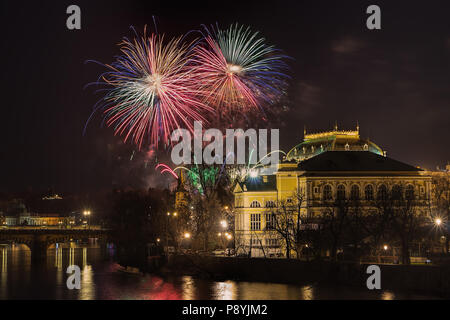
394 81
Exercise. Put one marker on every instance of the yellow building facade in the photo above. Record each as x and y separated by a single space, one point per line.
325 167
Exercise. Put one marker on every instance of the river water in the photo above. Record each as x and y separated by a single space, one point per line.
101 279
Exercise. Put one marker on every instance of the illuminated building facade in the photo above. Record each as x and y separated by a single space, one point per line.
325 167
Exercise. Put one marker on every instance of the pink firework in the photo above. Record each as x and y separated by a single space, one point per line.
152 91
238 71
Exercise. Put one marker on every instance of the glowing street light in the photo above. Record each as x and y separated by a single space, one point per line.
253 173
438 221
187 235
224 224
229 236
385 247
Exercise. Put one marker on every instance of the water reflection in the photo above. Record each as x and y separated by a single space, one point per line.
100 279
225 290
87 291
387 295
188 288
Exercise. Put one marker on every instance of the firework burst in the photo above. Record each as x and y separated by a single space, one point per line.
238 70
151 90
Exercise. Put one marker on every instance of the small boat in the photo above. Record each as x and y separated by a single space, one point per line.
130 270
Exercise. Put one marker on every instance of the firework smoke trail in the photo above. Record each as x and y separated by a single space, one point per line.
238 70
151 90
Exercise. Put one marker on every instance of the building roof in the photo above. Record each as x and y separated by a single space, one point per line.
353 161
334 140
259 184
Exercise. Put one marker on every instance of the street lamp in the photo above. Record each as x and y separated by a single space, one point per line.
187 235
438 221
87 213
224 224
385 247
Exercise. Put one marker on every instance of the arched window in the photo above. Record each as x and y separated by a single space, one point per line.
270 204
341 192
354 193
382 192
255 204
327 193
409 194
369 192
397 192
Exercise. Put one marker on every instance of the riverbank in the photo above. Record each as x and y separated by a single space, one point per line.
422 279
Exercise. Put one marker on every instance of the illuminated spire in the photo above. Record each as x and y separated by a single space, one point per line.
304 131
336 126
357 126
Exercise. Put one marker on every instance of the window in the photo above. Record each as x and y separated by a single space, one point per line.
369 192
410 192
382 192
255 204
270 204
341 192
327 193
270 221
255 221
272 242
316 190
354 193
255 242
397 192
289 200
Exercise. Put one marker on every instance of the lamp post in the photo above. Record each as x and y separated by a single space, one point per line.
87 214
167 233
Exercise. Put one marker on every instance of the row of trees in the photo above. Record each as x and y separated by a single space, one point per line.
353 227
139 217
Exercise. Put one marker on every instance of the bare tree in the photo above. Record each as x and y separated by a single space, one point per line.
441 198
334 219
286 221
406 221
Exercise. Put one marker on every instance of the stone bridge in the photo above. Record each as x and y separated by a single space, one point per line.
39 239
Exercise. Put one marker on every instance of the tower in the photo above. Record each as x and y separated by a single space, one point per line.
181 195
